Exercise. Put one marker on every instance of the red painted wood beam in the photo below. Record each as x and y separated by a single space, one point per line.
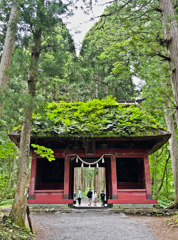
113 178
66 177
147 177
49 198
32 177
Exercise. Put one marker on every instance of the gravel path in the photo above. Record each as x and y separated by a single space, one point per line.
87 224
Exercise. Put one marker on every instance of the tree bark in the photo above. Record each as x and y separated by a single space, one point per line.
8 48
155 176
29 219
170 27
174 153
18 211
19 207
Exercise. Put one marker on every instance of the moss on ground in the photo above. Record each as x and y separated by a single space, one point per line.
10 231
173 221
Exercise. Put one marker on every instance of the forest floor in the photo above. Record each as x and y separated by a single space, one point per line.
164 228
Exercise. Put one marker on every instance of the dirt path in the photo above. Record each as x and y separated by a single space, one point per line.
159 226
87 224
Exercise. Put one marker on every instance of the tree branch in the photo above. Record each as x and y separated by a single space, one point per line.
157 156
49 45
163 56
165 167
96 80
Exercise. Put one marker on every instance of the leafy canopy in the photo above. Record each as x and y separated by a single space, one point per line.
94 118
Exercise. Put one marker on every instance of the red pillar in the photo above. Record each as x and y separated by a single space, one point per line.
32 179
66 177
113 178
147 178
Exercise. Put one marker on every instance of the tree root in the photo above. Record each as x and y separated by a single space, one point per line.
174 205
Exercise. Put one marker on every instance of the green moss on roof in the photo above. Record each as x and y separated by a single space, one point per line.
95 118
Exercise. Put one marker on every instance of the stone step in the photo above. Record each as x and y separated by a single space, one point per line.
90 207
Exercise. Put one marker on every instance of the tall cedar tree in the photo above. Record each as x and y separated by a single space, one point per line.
8 48
39 25
170 27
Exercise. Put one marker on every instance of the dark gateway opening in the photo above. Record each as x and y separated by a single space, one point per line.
130 173
49 175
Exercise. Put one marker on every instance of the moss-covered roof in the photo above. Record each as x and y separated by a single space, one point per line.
95 118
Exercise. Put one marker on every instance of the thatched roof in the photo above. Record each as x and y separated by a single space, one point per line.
97 118
104 118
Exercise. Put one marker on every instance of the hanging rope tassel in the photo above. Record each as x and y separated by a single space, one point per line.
86 163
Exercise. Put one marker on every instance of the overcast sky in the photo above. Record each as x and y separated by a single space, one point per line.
83 18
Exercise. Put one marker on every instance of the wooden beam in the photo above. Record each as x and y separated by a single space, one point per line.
66 177
147 178
32 178
113 178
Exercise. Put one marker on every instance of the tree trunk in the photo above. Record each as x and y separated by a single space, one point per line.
8 48
54 92
18 211
170 27
155 176
20 202
174 154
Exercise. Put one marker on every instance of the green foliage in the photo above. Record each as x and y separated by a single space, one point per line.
104 117
9 230
162 177
2 122
44 152
101 79
7 173
6 192
129 40
6 150
164 202
7 202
